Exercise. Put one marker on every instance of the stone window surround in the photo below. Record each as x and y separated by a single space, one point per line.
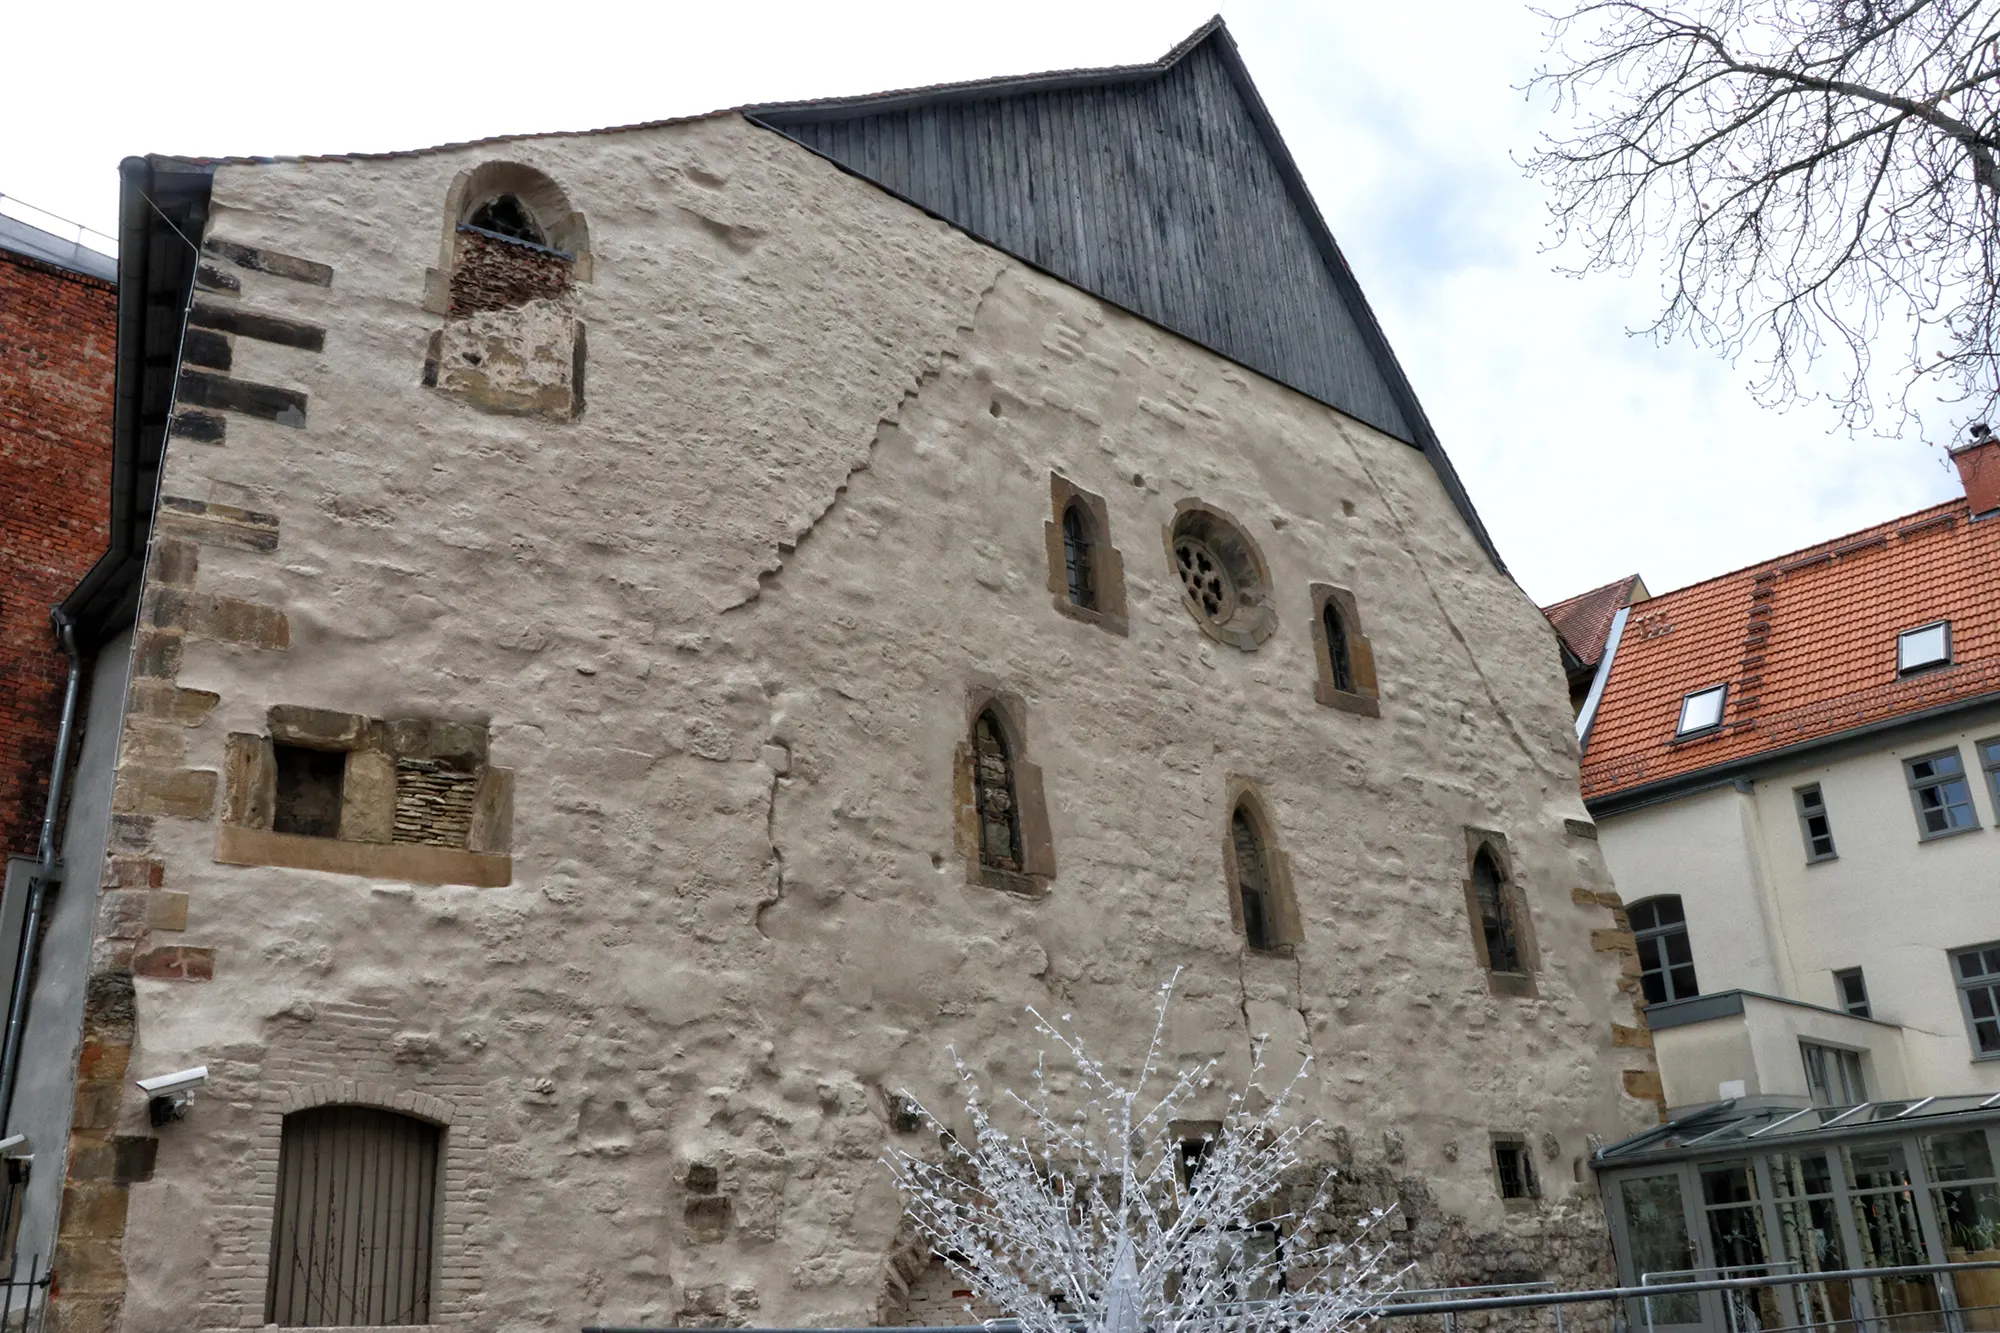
1364 698
564 225
1531 1177
454 1160
1031 807
1520 985
1107 566
364 847
1287 929
1255 619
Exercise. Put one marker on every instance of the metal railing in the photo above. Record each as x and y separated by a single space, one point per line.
1946 1318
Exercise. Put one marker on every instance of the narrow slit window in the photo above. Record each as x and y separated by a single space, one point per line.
308 792
993 778
1922 648
1701 711
1253 883
1941 795
1666 957
1077 557
1496 914
1339 656
1852 988
1815 824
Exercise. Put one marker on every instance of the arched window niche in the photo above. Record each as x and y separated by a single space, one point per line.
1002 817
1086 572
1262 906
1501 934
512 253
1346 660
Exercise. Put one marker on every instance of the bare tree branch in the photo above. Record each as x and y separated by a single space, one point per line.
1816 175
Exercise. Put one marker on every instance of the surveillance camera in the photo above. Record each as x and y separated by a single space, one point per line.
168 1095
168 1085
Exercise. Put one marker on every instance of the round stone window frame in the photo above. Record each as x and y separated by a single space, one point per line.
1251 617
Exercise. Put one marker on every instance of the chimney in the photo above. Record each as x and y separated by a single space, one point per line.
1979 468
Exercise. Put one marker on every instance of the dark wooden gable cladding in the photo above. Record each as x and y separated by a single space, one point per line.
1161 188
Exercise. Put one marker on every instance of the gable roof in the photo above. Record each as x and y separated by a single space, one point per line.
1164 189
1806 644
1583 622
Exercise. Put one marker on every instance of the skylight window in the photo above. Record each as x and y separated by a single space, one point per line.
1924 647
1701 711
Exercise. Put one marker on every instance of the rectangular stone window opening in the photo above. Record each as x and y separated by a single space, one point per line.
1345 658
410 799
1852 989
1815 824
1514 1168
1941 795
308 791
1086 572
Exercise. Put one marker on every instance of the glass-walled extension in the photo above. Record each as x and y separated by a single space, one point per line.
1736 1191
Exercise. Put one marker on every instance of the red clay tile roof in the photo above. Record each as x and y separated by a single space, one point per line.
1584 621
1806 644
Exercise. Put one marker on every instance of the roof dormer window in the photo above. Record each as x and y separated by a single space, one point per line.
1922 648
1701 711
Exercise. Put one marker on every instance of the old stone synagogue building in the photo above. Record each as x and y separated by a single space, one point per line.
618 648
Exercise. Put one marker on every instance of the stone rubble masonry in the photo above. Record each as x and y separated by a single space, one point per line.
726 632
58 333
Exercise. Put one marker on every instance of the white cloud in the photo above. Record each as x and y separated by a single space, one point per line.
1590 454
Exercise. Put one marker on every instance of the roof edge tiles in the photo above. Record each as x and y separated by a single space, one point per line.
1806 641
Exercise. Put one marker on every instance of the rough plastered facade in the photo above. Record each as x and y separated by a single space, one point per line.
697 579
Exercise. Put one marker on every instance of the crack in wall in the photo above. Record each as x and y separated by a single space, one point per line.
1528 748
777 862
769 575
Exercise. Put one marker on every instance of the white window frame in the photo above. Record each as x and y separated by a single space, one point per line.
1862 1008
1905 667
1721 693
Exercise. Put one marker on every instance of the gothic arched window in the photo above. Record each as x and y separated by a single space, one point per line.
993 781
1496 914
1253 882
1077 557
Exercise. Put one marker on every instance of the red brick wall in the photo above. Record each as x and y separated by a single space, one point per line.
58 332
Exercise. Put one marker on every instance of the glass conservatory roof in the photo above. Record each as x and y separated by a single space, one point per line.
1734 1125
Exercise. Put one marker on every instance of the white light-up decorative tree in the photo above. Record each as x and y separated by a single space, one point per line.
1097 1212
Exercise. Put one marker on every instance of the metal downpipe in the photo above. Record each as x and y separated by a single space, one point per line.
45 875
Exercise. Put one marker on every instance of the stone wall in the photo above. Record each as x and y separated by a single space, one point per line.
729 630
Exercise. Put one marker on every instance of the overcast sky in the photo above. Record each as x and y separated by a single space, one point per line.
1589 453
